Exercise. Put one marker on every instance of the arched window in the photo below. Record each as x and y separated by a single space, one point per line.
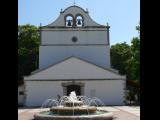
79 21
69 21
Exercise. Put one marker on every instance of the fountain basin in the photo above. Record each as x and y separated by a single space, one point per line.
70 108
71 104
100 115
73 110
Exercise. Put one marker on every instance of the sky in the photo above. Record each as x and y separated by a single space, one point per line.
122 15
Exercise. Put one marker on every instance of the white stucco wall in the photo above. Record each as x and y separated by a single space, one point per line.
111 92
99 55
65 37
57 44
37 92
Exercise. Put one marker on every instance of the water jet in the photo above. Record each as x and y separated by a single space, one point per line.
73 107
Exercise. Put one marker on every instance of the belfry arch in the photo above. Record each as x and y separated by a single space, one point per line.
69 20
79 20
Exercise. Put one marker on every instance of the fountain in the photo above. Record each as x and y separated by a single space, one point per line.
73 107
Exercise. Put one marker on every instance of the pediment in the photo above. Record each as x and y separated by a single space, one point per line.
74 68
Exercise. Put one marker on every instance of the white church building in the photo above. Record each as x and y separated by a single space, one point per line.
74 55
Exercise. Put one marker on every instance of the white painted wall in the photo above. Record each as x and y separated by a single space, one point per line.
92 44
111 92
37 92
99 55
65 37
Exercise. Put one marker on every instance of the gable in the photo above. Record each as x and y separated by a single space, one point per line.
74 68
74 11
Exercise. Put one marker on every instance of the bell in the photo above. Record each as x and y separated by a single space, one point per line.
69 23
79 22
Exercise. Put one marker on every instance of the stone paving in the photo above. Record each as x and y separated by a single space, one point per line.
130 109
119 112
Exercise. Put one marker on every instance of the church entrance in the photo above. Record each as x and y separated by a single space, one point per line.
75 88
68 87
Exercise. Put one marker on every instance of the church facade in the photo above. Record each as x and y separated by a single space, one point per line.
74 55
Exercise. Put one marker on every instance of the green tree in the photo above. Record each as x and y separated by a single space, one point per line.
133 66
120 53
134 62
126 59
28 43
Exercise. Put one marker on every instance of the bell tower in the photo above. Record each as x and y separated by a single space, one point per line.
74 33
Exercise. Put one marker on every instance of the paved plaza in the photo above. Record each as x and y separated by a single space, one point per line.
120 112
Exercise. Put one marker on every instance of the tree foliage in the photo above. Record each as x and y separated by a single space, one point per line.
28 45
126 59
120 53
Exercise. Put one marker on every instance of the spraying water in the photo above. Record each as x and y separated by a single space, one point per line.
73 107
